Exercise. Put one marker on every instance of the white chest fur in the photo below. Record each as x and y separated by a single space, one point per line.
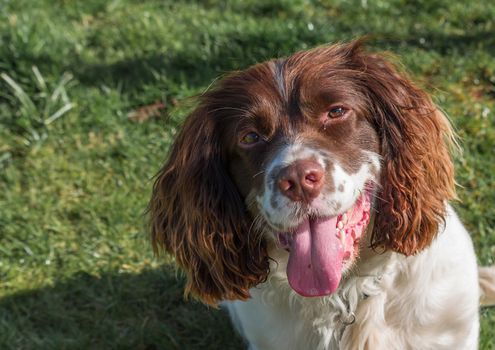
388 301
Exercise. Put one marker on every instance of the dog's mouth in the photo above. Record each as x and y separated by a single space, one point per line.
319 246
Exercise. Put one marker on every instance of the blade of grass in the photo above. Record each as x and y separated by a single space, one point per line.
22 96
39 79
63 110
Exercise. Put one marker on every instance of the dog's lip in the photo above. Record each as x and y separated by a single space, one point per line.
304 214
283 235
310 216
304 217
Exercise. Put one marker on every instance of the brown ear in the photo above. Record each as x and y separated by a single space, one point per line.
417 172
198 216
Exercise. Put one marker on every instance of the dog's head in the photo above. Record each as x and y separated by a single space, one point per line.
300 152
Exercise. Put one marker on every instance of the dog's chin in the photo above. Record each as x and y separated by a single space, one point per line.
323 248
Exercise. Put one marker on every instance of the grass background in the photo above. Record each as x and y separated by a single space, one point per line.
76 271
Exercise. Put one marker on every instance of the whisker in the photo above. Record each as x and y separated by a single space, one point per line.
251 227
258 173
232 109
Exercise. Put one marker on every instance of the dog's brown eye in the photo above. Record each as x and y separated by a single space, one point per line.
250 138
336 112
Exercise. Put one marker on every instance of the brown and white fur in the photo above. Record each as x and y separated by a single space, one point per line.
274 151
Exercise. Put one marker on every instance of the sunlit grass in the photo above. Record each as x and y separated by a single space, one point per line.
76 270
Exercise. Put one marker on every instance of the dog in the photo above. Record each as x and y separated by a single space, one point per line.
309 196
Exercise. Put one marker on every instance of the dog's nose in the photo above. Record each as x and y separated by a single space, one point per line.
302 180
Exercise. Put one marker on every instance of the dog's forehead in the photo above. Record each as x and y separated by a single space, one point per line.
301 85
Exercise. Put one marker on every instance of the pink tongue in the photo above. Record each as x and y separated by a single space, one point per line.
315 261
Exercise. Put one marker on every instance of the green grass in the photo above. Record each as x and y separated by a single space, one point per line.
76 270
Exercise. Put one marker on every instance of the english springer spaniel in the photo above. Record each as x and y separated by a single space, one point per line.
309 195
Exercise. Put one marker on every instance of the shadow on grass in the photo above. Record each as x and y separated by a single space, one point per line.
116 310
445 43
191 68
196 65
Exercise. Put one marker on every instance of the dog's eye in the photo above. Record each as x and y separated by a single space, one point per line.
336 112
250 138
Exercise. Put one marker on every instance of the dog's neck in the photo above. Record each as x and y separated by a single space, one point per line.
334 313
365 278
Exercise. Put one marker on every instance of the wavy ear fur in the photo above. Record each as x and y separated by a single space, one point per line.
198 216
417 177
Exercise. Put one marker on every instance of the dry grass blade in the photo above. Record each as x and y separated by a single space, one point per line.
146 112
